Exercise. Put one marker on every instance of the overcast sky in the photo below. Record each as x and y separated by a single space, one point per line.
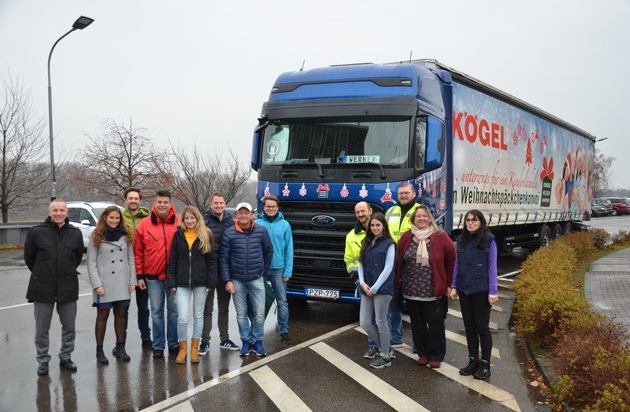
198 71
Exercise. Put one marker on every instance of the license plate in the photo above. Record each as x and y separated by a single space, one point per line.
322 293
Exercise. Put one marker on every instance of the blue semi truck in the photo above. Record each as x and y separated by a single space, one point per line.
330 137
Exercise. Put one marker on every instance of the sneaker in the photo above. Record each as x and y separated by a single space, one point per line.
42 369
435 364
147 344
286 339
423 361
229 345
245 348
371 352
397 344
259 349
392 354
483 371
471 368
381 362
203 348
158 353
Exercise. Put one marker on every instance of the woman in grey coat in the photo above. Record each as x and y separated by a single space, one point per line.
112 273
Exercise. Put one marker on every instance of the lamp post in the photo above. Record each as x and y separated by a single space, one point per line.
80 24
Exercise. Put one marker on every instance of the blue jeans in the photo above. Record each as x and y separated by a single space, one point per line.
183 295
280 288
373 316
256 290
394 320
158 293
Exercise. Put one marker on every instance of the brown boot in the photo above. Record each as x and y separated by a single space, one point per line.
183 351
194 350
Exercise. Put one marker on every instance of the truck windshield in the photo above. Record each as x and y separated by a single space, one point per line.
380 140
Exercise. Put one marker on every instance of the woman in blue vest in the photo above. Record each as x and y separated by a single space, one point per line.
475 281
376 280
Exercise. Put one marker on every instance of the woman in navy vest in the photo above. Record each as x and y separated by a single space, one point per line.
376 280
475 281
424 272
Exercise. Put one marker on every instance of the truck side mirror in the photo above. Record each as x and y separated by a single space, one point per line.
435 144
258 134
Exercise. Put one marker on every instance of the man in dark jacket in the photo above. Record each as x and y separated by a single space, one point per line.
244 258
52 252
218 221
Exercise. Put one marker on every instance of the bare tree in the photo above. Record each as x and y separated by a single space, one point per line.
121 157
23 148
193 177
602 175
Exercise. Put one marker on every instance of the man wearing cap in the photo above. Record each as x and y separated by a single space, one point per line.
244 259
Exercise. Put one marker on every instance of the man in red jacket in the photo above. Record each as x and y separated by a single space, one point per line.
151 248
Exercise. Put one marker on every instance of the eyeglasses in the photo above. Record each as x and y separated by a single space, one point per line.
473 220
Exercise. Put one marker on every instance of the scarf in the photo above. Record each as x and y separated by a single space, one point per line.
421 236
112 234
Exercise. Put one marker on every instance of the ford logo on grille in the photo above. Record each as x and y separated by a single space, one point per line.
323 220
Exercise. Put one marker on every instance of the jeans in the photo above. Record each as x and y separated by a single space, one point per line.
183 295
280 288
142 300
256 290
394 320
373 316
158 293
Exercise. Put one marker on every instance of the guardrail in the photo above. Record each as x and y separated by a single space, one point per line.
15 233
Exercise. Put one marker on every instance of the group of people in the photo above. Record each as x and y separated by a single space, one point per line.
166 260
403 256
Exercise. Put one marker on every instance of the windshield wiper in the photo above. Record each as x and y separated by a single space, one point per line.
319 167
375 164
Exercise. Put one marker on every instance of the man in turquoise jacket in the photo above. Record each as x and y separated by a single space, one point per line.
282 261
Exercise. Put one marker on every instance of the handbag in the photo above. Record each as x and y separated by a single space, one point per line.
270 297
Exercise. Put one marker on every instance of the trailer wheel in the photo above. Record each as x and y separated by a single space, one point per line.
557 231
567 228
545 236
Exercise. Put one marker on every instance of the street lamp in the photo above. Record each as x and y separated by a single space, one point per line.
80 24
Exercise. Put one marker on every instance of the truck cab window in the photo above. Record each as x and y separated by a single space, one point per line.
421 141
378 139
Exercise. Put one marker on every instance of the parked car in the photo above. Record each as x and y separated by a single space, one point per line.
601 207
84 216
621 205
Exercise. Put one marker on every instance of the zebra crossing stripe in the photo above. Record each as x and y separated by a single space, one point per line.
384 391
279 393
182 407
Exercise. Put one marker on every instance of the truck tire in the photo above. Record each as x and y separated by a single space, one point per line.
567 228
557 231
545 236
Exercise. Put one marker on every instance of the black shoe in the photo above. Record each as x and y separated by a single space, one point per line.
121 353
483 372
68 365
43 369
100 356
158 353
471 368
286 339
174 350
147 344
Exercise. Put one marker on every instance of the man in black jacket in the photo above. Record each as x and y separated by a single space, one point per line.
52 252
217 220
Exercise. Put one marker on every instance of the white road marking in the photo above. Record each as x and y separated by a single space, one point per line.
279 393
182 407
384 391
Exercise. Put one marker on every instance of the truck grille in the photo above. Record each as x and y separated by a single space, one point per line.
318 250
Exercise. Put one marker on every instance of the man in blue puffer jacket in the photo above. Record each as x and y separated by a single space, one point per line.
282 261
245 258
